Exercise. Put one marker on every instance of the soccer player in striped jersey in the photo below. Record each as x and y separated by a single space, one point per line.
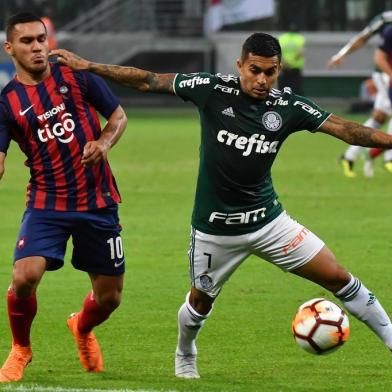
382 104
50 111
244 122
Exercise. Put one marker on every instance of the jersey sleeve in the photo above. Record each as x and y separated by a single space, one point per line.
307 114
5 136
195 87
100 95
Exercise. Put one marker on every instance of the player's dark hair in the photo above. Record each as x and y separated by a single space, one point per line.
261 44
22 17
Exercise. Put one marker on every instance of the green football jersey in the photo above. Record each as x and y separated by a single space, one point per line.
240 138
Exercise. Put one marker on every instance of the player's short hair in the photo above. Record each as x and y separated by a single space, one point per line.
261 44
22 17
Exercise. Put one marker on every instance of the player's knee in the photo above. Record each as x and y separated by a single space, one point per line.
109 301
24 284
200 301
340 278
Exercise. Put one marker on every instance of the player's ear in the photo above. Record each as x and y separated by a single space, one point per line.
239 65
8 48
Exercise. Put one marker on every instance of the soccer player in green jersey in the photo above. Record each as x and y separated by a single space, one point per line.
244 122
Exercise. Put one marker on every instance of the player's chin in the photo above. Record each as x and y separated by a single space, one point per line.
38 67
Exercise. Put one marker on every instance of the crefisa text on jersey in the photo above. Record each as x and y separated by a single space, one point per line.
261 146
197 80
279 101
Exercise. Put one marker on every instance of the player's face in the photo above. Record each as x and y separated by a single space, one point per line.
28 45
258 74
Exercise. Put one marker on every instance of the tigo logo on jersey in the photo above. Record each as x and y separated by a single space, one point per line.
59 130
194 81
272 121
246 144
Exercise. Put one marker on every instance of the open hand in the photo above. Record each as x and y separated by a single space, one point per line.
70 59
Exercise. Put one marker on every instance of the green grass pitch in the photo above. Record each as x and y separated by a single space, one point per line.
247 344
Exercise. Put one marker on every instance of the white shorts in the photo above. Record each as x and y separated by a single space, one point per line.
283 242
382 101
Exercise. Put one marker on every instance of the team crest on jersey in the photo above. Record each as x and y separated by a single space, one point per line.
206 282
63 89
272 121
21 243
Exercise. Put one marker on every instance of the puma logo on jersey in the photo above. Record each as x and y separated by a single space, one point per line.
228 112
255 143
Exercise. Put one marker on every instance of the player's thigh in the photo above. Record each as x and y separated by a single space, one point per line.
213 259
45 234
97 242
324 270
285 243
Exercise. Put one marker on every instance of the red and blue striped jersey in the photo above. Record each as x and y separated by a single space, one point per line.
51 122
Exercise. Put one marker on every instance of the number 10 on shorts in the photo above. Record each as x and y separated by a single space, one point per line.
116 248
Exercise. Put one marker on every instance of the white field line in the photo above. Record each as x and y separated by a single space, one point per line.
37 388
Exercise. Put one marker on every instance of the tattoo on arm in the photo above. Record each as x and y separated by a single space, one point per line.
134 77
354 133
161 83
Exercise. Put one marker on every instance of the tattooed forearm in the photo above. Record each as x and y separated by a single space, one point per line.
135 77
160 83
356 134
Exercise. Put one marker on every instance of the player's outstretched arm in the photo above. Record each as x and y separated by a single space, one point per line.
133 77
354 44
2 159
95 151
354 133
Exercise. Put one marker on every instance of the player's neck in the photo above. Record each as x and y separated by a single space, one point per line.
29 78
